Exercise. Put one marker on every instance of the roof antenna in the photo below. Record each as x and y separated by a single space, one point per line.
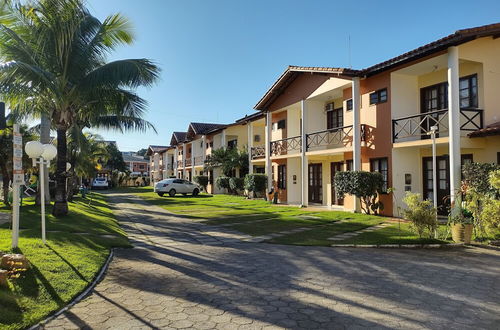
349 50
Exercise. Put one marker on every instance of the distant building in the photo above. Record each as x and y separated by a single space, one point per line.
137 165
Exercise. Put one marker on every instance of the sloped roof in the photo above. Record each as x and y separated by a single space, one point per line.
134 158
291 73
154 149
177 137
203 128
492 129
454 39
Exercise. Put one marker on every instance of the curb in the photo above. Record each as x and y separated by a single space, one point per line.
82 295
401 246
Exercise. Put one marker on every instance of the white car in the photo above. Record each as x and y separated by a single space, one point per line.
100 183
176 186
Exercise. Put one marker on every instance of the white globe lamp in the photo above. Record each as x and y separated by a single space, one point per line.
49 152
34 149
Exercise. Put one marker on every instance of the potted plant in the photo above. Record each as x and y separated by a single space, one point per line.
461 222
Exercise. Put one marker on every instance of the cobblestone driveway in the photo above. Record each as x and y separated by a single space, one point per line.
187 275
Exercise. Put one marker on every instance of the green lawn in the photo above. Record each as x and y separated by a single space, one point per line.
395 234
245 215
74 254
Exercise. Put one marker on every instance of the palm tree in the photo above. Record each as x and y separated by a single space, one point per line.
54 59
228 159
85 150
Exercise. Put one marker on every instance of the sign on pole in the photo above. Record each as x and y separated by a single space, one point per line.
17 180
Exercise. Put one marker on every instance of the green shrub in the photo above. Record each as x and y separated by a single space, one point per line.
362 184
481 192
202 180
236 184
222 182
421 213
255 183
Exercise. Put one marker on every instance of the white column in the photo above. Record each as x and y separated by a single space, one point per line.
356 133
184 160
303 157
454 121
223 139
269 171
249 146
174 166
192 158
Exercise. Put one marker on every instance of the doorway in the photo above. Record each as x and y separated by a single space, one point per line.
443 182
334 168
315 183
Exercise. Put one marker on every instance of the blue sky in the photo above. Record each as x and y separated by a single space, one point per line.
218 57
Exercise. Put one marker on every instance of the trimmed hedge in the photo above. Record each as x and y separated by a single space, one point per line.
222 182
255 183
202 180
362 184
236 184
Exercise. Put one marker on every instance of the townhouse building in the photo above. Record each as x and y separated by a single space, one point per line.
321 120
161 162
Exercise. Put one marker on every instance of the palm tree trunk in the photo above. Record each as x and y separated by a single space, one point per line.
5 179
61 203
44 138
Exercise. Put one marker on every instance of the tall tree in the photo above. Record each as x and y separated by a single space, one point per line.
54 58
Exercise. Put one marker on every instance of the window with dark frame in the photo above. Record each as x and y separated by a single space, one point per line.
334 118
232 144
468 91
349 165
379 96
381 165
281 176
281 124
348 105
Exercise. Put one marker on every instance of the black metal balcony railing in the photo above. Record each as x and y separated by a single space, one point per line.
180 163
282 147
419 125
331 138
258 152
188 162
198 160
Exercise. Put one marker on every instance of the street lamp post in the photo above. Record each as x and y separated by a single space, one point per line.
432 133
41 154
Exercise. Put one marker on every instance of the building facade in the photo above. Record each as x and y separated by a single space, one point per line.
323 120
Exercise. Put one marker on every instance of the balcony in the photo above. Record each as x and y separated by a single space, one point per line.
180 163
198 160
285 146
188 162
258 152
418 126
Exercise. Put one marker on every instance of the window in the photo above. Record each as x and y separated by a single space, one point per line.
189 150
282 124
335 118
349 165
281 176
141 166
348 105
379 96
468 91
256 138
232 144
201 144
381 165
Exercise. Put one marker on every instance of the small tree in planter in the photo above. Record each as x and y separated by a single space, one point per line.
236 184
255 184
222 182
202 180
421 213
364 185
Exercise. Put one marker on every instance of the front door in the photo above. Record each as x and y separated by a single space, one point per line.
443 182
432 98
334 168
315 183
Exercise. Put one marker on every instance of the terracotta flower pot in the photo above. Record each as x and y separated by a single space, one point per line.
461 233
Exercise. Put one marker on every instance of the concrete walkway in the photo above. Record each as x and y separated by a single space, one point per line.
184 274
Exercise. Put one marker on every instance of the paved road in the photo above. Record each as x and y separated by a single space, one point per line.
186 275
